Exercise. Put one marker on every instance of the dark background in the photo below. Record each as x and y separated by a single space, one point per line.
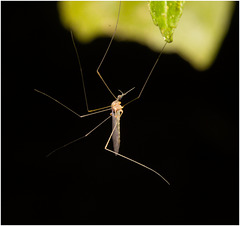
185 126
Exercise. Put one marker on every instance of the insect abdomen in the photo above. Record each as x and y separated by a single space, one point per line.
116 132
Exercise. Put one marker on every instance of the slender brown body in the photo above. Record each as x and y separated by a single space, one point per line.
116 114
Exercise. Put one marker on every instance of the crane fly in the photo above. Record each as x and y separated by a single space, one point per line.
116 107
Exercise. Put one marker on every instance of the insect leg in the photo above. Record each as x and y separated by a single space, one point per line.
104 56
83 83
79 137
106 148
81 116
145 83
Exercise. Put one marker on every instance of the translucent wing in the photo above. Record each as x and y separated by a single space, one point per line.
116 133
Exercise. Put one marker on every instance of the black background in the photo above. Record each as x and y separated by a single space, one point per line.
185 126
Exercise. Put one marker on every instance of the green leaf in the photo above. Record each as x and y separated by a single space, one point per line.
197 38
166 15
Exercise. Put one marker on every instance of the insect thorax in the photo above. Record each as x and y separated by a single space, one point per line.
116 106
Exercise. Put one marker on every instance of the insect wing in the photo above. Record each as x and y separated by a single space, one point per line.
116 132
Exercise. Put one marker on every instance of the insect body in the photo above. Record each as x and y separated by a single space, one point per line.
116 115
115 107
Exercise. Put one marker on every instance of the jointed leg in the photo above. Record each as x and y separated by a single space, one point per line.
83 83
81 116
145 83
79 137
106 148
107 52
80 67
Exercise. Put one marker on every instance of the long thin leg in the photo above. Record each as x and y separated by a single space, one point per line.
79 137
106 148
107 52
83 83
81 116
139 95
81 72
